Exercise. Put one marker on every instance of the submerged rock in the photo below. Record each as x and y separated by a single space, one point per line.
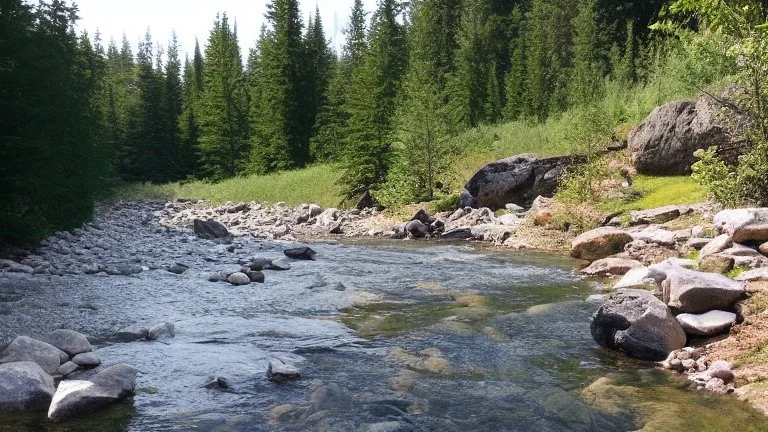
24 386
638 324
279 371
300 253
161 331
78 398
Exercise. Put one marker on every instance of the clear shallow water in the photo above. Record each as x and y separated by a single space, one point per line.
434 338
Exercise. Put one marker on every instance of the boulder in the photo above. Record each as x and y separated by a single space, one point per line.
599 243
758 274
300 253
637 323
86 360
718 244
24 386
638 278
722 370
716 263
78 398
14 267
423 216
517 180
416 229
132 333
664 143
238 279
328 217
25 348
256 276
697 242
749 225
690 291
492 232
280 264
611 267
655 216
67 368
69 341
707 324
655 235
178 268
210 229
457 234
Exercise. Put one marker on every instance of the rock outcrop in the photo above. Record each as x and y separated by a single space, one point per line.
664 143
518 180
599 243
637 323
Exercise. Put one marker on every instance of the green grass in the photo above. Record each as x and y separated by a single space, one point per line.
660 191
316 184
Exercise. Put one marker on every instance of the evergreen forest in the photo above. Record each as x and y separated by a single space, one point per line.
79 114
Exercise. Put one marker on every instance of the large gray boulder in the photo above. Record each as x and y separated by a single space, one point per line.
638 324
210 229
664 143
599 243
748 225
69 341
77 398
691 291
517 180
24 386
45 355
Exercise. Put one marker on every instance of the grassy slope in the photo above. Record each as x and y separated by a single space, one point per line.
621 107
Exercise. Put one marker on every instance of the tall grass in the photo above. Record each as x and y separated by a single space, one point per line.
316 184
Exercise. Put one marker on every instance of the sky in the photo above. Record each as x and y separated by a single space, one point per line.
194 18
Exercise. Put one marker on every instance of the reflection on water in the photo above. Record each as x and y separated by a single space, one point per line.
404 338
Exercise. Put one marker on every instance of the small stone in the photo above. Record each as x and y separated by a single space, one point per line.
238 279
256 276
213 277
716 263
688 364
67 368
279 371
178 268
86 360
721 370
161 331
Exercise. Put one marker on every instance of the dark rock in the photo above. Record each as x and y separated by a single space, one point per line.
256 276
336 227
69 341
300 253
416 229
258 264
457 234
44 354
518 180
178 268
210 229
638 324
131 334
423 216
78 398
365 201
24 386
664 143
217 383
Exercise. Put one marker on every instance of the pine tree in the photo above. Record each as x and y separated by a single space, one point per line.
319 61
586 79
279 121
514 82
422 124
371 102
173 109
189 127
467 86
223 147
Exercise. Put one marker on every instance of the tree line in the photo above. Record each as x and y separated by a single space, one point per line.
410 76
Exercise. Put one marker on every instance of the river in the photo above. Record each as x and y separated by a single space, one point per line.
404 336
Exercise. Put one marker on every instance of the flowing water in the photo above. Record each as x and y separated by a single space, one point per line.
394 337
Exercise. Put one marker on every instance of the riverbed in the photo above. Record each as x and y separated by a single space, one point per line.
398 336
